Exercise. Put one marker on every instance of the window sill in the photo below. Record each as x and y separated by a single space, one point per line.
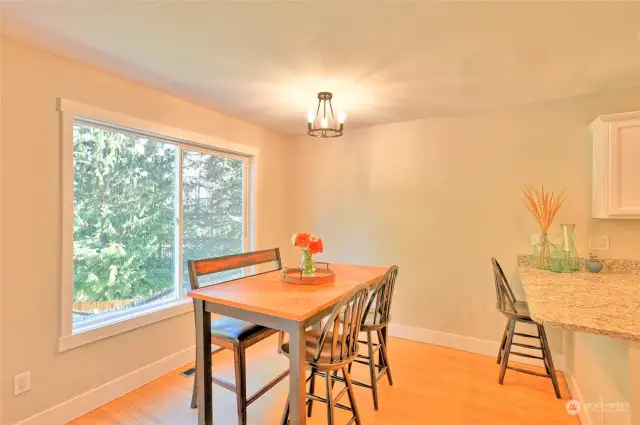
124 323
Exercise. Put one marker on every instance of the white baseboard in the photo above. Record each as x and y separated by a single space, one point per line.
92 399
465 343
576 394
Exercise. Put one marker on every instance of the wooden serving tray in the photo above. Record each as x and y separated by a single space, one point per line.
320 277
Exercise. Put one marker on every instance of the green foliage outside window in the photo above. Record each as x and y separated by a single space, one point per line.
125 209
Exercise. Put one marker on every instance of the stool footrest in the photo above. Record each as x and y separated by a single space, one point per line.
367 364
224 384
529 372
361 384
340 394
526 335
515 353
343 407
533 347
267 387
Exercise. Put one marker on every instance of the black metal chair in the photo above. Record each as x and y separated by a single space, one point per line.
332 350
376 320
518 312
234 334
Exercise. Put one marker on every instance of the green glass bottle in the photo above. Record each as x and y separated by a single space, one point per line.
570 260
557 261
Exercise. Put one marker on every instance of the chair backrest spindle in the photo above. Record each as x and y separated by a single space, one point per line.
505 299
381 298
344 331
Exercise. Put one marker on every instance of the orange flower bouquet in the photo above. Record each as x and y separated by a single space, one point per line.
310 245
543 206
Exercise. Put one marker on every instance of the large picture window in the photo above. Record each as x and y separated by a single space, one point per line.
143 204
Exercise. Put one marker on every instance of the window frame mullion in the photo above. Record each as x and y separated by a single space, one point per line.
179 226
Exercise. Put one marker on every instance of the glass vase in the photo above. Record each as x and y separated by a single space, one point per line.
557 262
570 259
308 263
542 252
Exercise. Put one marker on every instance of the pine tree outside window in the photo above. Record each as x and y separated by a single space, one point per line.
143 204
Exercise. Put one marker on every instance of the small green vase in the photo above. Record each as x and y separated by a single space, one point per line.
571 261
308 263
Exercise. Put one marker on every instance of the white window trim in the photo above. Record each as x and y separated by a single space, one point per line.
69 110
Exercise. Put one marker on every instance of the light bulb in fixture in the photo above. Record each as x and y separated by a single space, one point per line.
341 117
325 123
311 117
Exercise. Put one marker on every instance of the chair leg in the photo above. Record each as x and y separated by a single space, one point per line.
352 396
507 350
545 361
547 355
312 388
194 396
330 413
241 383
280 341
382 336
285 414
385 356
504 341
372 372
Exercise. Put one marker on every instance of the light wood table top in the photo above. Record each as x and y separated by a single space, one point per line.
265 293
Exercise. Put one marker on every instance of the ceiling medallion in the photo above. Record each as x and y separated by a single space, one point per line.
323 123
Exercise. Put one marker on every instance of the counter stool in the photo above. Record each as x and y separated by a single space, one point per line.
376 320
332 350
518 312
234 334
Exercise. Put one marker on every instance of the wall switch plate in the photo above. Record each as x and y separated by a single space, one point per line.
599 243
21 383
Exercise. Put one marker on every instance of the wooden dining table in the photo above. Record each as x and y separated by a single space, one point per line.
264 300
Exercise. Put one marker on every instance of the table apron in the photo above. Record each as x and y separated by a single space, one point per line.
273 322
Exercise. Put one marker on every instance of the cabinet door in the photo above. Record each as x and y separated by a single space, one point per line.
624 169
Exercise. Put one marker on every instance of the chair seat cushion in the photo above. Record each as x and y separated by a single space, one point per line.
522 310
312 339
234 330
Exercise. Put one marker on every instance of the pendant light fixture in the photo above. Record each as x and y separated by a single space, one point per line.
323 123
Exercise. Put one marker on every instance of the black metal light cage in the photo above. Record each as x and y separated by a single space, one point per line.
333 128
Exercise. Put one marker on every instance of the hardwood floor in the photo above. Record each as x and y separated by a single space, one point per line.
432 385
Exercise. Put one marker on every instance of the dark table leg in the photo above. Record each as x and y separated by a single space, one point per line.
203 364
297 376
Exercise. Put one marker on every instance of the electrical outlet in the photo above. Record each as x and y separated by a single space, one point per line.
599 243
21 383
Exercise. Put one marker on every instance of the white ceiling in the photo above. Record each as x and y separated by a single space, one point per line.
384 61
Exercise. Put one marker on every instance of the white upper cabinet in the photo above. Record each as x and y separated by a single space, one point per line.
616 166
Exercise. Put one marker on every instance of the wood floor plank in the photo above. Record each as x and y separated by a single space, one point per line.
432 385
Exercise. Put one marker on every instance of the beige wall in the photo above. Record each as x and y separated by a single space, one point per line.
1 209
439 197
600 368
30 175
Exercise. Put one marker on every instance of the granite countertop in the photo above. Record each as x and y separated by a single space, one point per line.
599 303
